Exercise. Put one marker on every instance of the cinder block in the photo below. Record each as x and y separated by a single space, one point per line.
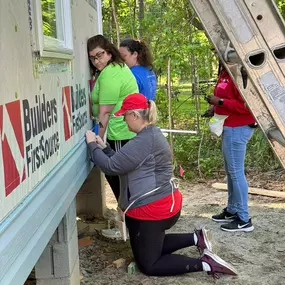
73 249
73 279
44 266
70 219
56 281
65 256
59 263
61 260
62 232
75 275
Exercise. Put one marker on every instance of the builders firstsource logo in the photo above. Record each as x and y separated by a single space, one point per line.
74 117
34 146
38 118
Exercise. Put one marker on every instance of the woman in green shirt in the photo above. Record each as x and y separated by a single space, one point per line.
114 83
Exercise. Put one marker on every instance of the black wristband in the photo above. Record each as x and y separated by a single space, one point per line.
221 102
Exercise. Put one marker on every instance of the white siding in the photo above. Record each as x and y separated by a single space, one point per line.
23 78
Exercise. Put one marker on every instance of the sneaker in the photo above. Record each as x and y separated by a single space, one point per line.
204 241
217 265
113 233
238 226
224 217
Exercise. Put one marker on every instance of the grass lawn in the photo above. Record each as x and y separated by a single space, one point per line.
186 104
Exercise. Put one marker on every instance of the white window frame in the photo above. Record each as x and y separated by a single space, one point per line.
99 15
52 47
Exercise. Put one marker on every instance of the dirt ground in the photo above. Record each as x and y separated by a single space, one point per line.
259 256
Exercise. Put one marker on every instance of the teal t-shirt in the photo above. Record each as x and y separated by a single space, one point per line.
114 83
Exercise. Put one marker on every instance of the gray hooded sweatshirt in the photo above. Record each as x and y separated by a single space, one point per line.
143 164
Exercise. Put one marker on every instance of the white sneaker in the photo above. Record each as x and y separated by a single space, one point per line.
113 233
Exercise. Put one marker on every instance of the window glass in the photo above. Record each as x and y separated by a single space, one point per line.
49 18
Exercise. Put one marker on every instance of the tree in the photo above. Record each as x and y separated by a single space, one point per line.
114 14
140 18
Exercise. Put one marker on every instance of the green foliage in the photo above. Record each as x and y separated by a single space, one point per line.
260 155
281 6
209 161
49 18
162 104
168 31
172 31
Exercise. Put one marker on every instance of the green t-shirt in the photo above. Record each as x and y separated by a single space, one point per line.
114 83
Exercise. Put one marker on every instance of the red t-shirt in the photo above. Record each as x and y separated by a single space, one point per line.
233 105
158 210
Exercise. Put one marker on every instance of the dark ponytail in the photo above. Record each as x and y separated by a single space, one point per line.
220 68
144 55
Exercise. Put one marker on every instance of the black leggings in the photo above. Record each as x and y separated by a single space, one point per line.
114 181
153 249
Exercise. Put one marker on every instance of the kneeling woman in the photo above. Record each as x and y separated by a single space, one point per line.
150 196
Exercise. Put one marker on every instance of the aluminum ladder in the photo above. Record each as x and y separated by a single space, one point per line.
249 37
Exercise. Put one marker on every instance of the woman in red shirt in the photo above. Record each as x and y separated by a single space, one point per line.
237 130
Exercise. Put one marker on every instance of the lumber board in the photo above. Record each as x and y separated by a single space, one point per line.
254 191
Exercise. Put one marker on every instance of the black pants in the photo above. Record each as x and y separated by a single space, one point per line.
153 249
114 181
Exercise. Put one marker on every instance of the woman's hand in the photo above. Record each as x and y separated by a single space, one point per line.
209 113
213 100
100 142
90 137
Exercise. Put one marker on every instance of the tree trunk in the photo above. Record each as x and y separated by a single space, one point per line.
195 86
140 18
116 23
132 19
111 21
135 17
192 18
169 107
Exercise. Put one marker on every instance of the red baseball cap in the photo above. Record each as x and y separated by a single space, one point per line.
133 102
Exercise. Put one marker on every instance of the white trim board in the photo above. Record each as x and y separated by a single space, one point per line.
179 131
99 15
25 233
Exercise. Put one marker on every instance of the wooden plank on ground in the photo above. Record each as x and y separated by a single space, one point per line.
119 262
254 191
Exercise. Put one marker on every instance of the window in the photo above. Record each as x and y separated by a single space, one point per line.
54 28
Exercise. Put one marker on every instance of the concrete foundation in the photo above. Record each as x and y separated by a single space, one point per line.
91 199
59 263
